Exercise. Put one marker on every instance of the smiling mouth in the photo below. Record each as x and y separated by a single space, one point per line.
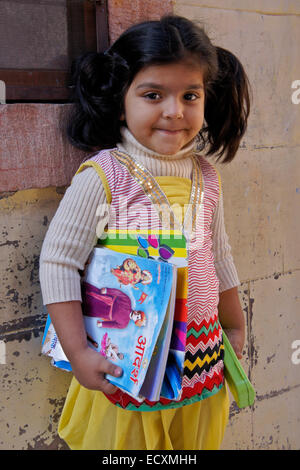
171 131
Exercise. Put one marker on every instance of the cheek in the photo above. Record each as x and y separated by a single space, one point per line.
198 119
140 120
132 111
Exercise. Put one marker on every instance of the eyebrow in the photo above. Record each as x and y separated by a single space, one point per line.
157 86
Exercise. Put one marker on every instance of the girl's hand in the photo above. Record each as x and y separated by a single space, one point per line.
89 368
232 319
237 338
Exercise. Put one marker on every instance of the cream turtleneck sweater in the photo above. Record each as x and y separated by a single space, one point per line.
71 234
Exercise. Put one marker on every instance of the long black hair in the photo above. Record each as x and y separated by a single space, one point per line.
100 81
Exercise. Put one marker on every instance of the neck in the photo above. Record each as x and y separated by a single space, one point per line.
179 164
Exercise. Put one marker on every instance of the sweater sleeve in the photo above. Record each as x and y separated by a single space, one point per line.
224 264
71 237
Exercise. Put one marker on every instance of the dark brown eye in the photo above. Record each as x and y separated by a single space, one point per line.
152 96
190 97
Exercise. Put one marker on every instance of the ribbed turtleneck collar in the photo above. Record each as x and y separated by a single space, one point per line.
179 164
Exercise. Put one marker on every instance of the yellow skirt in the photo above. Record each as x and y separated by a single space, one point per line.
90 421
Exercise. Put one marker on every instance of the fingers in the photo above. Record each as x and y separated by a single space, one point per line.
238 351
239 355
90 369
109 368
106 387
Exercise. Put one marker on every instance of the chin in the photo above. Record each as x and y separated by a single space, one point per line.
166 149
170 151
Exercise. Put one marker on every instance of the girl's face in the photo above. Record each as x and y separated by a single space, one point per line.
164 106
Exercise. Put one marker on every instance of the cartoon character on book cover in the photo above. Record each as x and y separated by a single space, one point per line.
129 273
111 306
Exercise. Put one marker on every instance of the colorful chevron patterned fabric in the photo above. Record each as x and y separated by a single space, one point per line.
142 222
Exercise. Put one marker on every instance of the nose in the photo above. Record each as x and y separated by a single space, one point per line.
173 109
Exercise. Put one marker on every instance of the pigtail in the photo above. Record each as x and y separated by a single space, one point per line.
97 93
227 107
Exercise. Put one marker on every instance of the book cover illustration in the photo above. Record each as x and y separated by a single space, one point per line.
168 247
125 302
52 347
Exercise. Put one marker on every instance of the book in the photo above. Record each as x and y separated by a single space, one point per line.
128 305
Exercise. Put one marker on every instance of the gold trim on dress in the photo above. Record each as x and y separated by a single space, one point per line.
157 196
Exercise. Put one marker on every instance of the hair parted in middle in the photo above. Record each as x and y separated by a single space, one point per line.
100 82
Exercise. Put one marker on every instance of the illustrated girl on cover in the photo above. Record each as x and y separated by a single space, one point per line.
129 273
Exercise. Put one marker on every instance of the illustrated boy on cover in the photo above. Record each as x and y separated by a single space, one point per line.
111 306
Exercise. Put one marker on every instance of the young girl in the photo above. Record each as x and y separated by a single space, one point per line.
160 94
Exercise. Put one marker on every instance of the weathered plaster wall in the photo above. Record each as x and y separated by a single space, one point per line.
261 193
36 163
261 190
124 13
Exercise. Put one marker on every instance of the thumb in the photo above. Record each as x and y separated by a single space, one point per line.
110 368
